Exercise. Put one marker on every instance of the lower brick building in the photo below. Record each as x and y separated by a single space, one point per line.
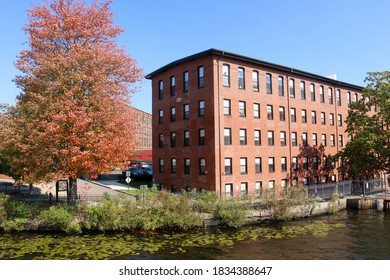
233 124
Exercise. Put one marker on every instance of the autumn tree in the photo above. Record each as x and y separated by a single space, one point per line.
72 117
368 123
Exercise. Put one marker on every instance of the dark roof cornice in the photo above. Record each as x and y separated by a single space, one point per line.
257 62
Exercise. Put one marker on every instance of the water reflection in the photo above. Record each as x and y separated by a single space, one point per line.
346 235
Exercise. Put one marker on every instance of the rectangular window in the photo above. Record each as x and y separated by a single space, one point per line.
355 98
282 138
331 119
257 137
160 90
201 108
186 111
270 112
303 91
304 116
312 92
173 165
173 85
259 187
200 77
241 78
173 114
186 166
173 139
305 163
202 166
256 110
323 140
160 116
340 120
323 121
332 140
271 164
280 86
325 162
201 137
226 75
315 163
242 136
229 189
341 141
304 139
244 188
313 117
226 107
268 83
185 81
186 138
292 88
293 115
338 97
295 164
314 138
322 95
330 95
349 98
228 166
255 80
242 109
270 138
243 166
258 168
161 165
283 163
227 136
160 140
294 141
282 114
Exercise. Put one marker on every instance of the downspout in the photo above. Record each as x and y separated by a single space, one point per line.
289 128
219 127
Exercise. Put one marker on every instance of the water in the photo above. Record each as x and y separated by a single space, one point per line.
345 235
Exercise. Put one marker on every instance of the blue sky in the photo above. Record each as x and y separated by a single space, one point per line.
343 37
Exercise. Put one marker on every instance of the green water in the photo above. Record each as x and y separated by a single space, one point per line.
345 235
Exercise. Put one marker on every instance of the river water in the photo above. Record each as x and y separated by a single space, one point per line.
344 235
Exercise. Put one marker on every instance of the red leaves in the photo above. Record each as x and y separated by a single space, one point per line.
73 117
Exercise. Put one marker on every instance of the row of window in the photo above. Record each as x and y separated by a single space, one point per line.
228 163
186 112
255 85
186 138
258 164
280 88
186 77
272 184
242 112
186 166
227 134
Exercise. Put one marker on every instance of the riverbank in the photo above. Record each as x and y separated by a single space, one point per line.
160 211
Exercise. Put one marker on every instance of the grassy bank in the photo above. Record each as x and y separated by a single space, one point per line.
152 211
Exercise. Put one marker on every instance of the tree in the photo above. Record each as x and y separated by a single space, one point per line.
368 123
72 117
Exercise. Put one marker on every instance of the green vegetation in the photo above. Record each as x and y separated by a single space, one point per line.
152 210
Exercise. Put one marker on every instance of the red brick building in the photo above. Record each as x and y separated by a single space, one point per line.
233 124
143 128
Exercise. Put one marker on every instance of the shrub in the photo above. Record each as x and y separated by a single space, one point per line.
207 202
232 212
103 216
56 218
17 224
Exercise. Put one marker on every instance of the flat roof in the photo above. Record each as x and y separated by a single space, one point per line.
254 61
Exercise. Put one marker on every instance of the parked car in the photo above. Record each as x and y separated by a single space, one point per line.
140 174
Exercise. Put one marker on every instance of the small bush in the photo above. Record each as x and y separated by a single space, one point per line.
232 212
17 224
56 218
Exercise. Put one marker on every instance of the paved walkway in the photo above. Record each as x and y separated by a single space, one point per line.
113 185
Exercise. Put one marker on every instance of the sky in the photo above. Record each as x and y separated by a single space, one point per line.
345 37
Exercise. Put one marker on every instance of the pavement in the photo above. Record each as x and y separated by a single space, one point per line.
113 185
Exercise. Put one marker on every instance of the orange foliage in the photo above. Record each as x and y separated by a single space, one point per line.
73 117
